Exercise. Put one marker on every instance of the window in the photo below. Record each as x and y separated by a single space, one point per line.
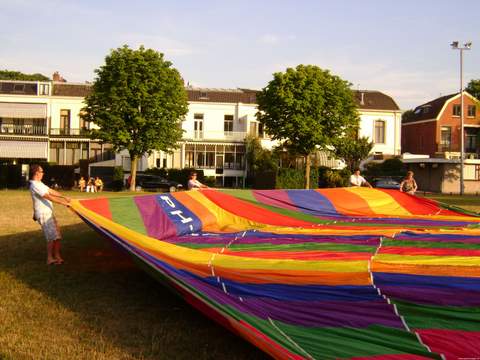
57 152
44 89
72 153
95 151
379 136
253 128
198 126
228 124
456 110
445 138
18 87
64 122
471 111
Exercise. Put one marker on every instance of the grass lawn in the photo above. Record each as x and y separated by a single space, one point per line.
98 305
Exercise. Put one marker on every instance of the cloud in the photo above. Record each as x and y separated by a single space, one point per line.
269 39
168 46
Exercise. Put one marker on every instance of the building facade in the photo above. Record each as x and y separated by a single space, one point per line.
40 121
434 128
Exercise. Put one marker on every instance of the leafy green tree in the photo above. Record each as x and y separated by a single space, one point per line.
138 102
258 158
17 75
352 150
407 115
473 88
306 108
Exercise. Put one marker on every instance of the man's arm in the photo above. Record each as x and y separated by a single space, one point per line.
56 197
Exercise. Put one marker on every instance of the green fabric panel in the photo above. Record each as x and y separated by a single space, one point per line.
430 244
287 247
125 212
335 343
439 317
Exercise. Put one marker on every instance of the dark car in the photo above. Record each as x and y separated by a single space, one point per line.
153 182
387 184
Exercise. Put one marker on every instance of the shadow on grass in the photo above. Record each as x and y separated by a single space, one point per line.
116 300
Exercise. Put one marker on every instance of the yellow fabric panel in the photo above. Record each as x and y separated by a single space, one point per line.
428 260
380 202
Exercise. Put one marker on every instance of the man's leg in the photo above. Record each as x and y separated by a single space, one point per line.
50 251
56 251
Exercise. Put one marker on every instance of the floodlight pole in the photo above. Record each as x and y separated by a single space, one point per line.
466 46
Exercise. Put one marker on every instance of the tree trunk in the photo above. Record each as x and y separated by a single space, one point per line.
307 171
133 171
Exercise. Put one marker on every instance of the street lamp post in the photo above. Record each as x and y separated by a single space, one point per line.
466 46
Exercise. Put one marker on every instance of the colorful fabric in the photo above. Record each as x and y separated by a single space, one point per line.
326 274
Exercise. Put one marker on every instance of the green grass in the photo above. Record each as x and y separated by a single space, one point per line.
98 305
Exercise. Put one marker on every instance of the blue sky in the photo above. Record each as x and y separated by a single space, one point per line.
398 47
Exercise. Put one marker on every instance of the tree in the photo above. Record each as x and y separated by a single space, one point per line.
138 102
473 88
306 108
17 75
352 150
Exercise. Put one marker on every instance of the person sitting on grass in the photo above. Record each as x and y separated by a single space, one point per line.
193 183
358 180
42 197
98 184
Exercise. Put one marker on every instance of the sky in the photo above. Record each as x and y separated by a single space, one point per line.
401 48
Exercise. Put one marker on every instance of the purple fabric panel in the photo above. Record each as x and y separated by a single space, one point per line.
434 296
308 313
278 198
286 239
156 222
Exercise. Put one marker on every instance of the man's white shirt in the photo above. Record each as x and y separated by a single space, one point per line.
357 180
40 204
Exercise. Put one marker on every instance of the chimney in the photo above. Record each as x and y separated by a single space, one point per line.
57 77
362 98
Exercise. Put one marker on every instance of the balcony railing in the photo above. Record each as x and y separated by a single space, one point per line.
216 135
27 129
68 132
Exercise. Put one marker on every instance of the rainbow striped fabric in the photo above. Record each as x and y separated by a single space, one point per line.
347 273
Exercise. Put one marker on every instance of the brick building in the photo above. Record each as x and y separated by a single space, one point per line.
434 128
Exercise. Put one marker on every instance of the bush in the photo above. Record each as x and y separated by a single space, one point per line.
390 167
118 176
330 178
162 172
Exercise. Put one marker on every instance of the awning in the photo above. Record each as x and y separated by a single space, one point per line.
23 110
23 149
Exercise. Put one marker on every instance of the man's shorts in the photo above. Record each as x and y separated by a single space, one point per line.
49 227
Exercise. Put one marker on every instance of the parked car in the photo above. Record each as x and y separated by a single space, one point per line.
153 182
387 184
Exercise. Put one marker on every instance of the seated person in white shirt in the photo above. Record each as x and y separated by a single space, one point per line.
194 184
358 180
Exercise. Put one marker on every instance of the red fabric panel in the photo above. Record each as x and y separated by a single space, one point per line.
101 206
404 250
251 212
413 204
454 344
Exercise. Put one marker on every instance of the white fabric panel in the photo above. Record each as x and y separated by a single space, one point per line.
23 110
23 149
